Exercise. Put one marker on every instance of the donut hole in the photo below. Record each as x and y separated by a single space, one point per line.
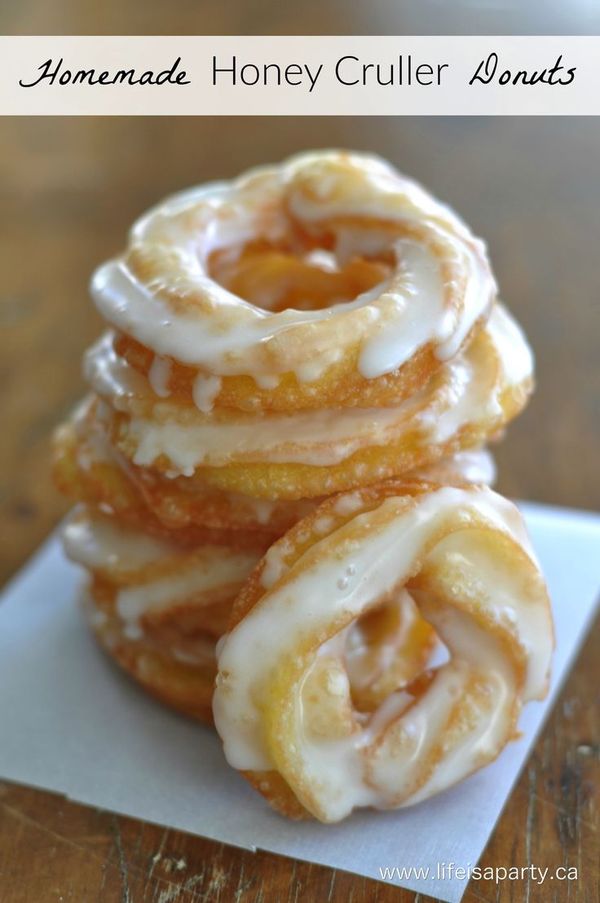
298 276
388 649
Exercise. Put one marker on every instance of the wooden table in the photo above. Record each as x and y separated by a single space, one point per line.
69 190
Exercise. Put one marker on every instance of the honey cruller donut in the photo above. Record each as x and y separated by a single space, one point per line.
307 454
291 701
88 469
357 285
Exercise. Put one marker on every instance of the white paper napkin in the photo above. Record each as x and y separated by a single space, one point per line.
70 722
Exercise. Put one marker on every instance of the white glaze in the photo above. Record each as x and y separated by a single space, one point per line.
111 376
100 544
204 392
476 466
266 380
158 376
213 569
348 503
472 465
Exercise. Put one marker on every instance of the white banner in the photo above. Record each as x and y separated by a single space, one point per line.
299 76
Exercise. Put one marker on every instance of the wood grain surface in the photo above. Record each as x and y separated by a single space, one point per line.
68 191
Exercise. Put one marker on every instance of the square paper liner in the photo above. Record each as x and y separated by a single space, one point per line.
72 723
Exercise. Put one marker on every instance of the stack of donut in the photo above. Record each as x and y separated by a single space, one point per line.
282 483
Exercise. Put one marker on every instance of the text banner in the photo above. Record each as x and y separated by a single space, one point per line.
300 76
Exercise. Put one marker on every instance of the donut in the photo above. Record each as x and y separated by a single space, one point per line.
158 609
295 714
328 280
308 454
88 469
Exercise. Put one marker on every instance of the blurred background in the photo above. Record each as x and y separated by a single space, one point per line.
70 188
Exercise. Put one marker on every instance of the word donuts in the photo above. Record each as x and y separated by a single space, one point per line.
288 697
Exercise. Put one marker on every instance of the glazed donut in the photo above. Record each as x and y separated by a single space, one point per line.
357 286
307 454
158 609
290 703
88 469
